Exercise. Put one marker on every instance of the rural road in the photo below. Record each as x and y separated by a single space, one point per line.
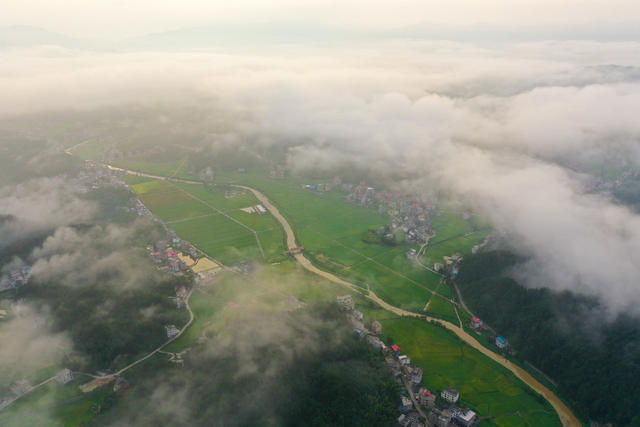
565 414
567 417
126 368
148 175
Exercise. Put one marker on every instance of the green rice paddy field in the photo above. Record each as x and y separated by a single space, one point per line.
206 219
443 309
330 230
483 384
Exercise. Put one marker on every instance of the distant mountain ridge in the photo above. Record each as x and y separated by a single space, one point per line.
28 36
295 32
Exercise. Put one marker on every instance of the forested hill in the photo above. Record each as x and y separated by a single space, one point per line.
596 364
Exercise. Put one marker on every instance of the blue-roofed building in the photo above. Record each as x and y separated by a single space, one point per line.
501 342
407 404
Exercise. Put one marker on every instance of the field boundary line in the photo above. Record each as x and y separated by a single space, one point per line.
189 219
566 416
255 234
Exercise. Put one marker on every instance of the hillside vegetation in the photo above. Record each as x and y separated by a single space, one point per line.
595 363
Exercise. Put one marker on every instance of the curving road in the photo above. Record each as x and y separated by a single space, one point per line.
566 415
115 374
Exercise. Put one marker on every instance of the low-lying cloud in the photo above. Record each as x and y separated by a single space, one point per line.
29 343
514 131
102 253
39 205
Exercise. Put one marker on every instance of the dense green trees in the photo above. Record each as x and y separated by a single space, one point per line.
594 360
106 321
263 377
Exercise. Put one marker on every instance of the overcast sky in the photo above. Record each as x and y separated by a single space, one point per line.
115 19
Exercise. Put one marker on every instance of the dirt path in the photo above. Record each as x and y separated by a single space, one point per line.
566 415
126 368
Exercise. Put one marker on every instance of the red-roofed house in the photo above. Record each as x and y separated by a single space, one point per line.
426 399
376 327
395 348
477 323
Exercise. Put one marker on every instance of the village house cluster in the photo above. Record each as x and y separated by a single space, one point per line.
481 245
450 266
184 257
408 214
452 416
166 258
479 326
415 397
15 278
172 262
140 209
95 175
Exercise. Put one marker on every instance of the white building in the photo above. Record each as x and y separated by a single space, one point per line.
172 331
466 417
346 302
451 395
64 376
501 342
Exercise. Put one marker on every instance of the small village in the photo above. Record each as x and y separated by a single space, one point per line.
415 398
173 255
409 214
96 175
14 278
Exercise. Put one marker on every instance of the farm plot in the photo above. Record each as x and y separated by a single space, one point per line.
388 286
202 219
449 225
443 309
331 231
219 237
168 202
398 261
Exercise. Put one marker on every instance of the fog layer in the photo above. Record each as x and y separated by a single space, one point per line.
516 132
